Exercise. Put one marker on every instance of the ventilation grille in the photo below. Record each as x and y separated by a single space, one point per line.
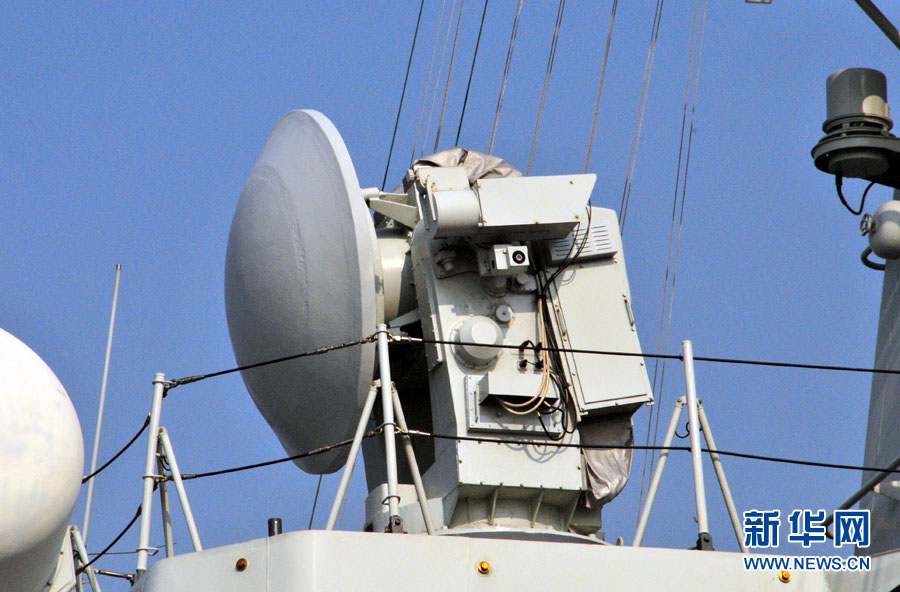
600 243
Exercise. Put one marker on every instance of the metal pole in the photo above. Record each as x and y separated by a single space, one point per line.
159 384
703 538
866 488
179 488
387 408
80 549
411 461
165 509
351 458
723 482
657 473
99 428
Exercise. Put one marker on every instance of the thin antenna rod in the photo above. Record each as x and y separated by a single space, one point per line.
886 26
99 428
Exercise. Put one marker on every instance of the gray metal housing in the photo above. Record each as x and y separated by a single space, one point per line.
462 289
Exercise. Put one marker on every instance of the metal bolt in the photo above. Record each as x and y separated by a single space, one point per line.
241 564
784 576
483 567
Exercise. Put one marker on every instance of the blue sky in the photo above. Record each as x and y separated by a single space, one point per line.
126 136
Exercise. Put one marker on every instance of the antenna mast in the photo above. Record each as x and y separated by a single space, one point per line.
99 428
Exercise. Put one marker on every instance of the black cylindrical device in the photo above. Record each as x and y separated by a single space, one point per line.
857 96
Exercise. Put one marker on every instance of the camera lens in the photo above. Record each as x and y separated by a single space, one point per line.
518 257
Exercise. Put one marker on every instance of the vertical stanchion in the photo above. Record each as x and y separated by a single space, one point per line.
159 384
351 458
390 448
99 428
704 540
657 473
179 488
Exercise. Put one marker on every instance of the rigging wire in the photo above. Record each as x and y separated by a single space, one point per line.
662 345
316 452
505 442
552 444
612 20
407 339
412 50
312 514
642 105
505 78
684 182
314 352
119 536
437 137
437 79
713 359
462 113
121 451
546 87
412 156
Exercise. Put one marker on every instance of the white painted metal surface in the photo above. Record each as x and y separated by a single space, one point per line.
166 444
687 353
149 476
528 208
41 463
301 274
593 313
340 561
882 435
387 414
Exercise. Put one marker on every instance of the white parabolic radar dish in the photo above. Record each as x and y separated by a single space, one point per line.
300 274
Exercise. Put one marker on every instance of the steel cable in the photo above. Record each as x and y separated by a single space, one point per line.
546 87
639 123
674 244
84 567
612 20
721 360
437 79
312 514
405 339
549 444
412 50
412 156
114 457
504 442
437 137
462 113
505 78
315 352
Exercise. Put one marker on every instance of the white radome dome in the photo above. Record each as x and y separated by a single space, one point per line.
41 463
